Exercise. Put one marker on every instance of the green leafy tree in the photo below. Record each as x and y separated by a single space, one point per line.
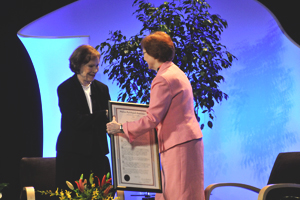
196 35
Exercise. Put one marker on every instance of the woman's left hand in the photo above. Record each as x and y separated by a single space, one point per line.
113 127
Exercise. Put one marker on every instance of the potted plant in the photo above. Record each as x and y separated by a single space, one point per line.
196 35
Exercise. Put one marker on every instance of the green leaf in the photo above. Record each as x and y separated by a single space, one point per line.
202 126
229 56
209 124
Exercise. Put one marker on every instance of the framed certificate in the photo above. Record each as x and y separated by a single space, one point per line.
136 165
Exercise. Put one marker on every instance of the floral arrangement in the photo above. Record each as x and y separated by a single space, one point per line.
85 191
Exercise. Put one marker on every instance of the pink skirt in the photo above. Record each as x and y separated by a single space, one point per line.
182 172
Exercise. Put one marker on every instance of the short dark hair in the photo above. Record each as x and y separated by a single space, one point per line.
82 55
159 45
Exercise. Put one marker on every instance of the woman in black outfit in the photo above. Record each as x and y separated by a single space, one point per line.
82 145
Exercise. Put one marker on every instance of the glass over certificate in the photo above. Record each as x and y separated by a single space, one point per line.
136 165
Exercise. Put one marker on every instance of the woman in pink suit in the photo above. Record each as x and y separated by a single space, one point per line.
171 112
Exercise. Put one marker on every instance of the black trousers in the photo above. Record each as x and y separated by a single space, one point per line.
70 166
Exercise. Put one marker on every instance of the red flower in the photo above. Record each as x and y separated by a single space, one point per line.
103 181
98 181
108 181
81 184
106 191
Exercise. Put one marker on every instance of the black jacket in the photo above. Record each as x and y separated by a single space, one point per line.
82 132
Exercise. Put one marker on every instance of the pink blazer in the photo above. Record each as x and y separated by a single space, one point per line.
171 110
